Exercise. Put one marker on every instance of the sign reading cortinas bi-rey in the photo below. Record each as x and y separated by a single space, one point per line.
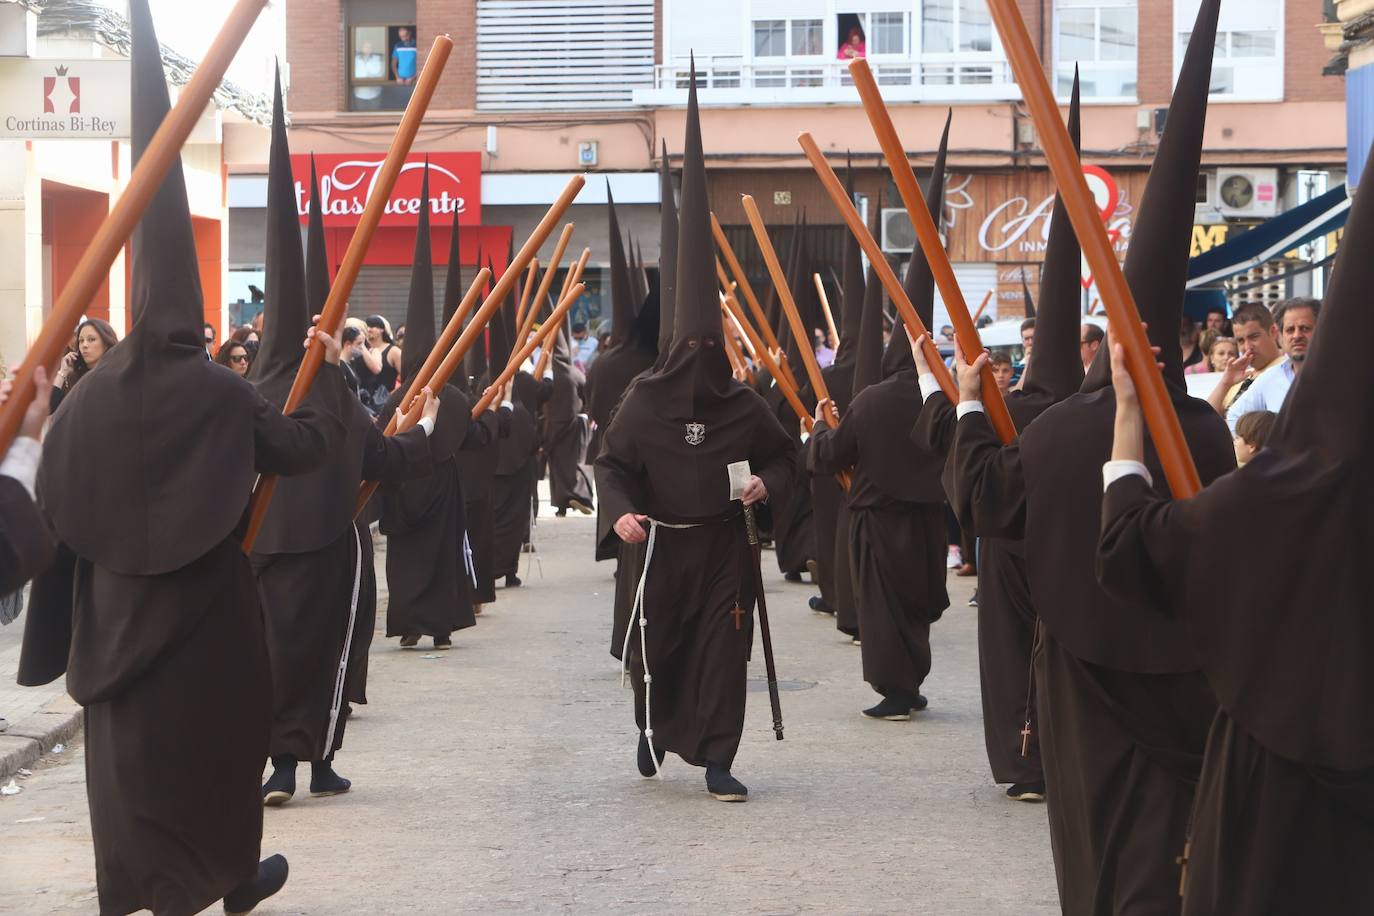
348 181
64 99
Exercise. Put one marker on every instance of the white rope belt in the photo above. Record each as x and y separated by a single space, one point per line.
637 614
337 701
467 559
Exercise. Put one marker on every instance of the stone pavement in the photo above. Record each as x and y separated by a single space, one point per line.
499 778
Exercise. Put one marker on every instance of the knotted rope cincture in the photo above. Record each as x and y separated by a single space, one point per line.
337 702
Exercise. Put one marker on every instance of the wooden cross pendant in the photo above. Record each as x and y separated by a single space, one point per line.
1025 739
738 613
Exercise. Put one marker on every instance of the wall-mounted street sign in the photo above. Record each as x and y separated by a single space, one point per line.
67 98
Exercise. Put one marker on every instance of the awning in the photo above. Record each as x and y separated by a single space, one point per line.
1271 238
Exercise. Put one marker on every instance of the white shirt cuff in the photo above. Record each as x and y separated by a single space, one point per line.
21 463
427 424
507 405
1113 471
929 385
967 407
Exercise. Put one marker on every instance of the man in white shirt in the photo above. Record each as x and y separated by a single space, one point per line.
1297 320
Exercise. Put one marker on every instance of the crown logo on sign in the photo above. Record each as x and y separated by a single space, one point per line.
61 71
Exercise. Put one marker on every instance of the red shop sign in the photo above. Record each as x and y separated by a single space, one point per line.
347 181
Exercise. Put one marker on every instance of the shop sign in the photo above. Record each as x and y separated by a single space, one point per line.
43 99
347 182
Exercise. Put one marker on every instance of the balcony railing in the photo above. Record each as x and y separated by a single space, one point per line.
731 80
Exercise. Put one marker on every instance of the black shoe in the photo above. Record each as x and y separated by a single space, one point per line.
443 642
409 642
723 786
1027 792
817 604
792 576
895 708
561 513
281 785
513 581
324 781
644 761
580 506
271 877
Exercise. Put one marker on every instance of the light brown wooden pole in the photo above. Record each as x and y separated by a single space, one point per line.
94 266
829 315
573 277
914 326
523 353
742 285
533 314
987 297
789 307
928 234
745 342
526 292
337 303
1097 249
761 351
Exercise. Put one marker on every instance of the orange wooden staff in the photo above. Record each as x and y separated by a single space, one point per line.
94 267
332 314
525 293
544 285
761 351
931 245
987 297
523 353
1097 249
914 326
573 277
765 328
789 307
829 315
731 348
731 288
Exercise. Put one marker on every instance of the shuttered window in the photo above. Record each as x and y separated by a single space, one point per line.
553 55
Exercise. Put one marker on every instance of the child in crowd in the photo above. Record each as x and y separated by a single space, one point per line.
1252 431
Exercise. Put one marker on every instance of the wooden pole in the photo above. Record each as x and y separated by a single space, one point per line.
94 266
337 303
573 277
930 242
761 350
521 354
731 350
525 293
914 326
1097 249
443 344
789 307
745 342
829 315
742 285
533 314
987 297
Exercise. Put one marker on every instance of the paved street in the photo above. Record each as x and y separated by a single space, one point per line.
499 777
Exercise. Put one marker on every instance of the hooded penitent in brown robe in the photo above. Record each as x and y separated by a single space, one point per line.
1124 709
1006 614
896 507
1284 819
665 456
514 476
314 572
146 474
566 433
429 571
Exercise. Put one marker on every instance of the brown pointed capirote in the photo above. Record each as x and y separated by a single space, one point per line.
1165 430
332 317
914 325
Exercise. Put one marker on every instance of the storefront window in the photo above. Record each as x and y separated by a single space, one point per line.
1098 37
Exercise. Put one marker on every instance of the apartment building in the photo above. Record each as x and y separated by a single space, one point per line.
539 89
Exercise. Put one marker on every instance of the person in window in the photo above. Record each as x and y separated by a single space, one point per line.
403 57
853 46
234 355
368 65
94 338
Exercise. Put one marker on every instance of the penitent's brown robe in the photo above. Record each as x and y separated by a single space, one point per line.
1123 709
896 530
510 495
476 470
26 548
697 575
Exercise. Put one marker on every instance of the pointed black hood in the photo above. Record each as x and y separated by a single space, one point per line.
667 258
420 333
1027 300
868 349
317 282
475 363
1161 240
453 278
639 279
1055 369
286 313
622 288
851 289
919 283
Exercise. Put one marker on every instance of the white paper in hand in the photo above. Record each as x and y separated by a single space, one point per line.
739 478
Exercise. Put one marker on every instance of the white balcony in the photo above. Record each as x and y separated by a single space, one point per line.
730 80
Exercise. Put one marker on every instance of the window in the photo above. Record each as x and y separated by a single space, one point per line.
950 26
806 37
1099 37
770 38
1247 64
383 57
781 38
888 33
878 34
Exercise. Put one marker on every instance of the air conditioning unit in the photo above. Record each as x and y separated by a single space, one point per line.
899 236
1247 192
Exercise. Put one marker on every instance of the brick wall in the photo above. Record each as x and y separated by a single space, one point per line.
314 49
1305 55
458 19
